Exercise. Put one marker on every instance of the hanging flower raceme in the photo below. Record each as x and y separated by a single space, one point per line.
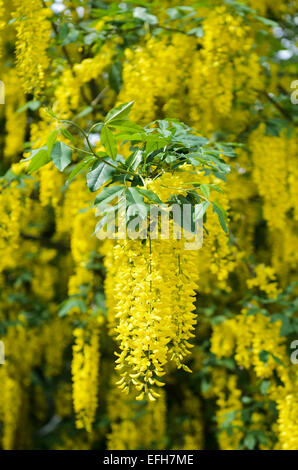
10 212
15 120
153 302
85 372
2 24
33 36
152 278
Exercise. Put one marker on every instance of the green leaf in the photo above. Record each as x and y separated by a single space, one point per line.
108 140
51 141
32 105
217 188
249 441
108 194
67 134
134 196
39 159
120 112
70 304
277 360
82 165
115 76
125 125
61 155
150 195
198 32
190 140
134 160
84 112
205 190
264 356
100 174
265 384
135 203
222 217
267 22
229 418
200 209
142 14
225 149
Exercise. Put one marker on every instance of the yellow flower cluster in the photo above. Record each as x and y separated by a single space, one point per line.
85 374
68 91
81 246
45 275
51 181
228 400
223 68
11 402
155 76
287 405
193 427
272 153
265 280
278 189
263 5
247 338
56 337
23 347
215 83
150 314
150 324
10 216
15 122
33 36
146 432
63 400
249 335
2 26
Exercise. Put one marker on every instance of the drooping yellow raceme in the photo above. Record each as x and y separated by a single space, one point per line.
11 402
265 280
287 405
33 30
10 216
193 427
278 154
223 68
15 121
272 153
67 95
85 374
56 338
2 26
151 315
228 400
155 75
246 337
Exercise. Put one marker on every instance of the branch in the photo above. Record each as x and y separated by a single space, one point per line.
282 110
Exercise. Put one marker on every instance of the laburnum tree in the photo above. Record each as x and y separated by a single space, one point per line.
110 109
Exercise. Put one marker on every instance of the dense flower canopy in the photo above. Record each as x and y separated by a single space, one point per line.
142 343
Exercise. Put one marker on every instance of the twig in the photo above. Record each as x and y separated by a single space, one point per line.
99 96
283 111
